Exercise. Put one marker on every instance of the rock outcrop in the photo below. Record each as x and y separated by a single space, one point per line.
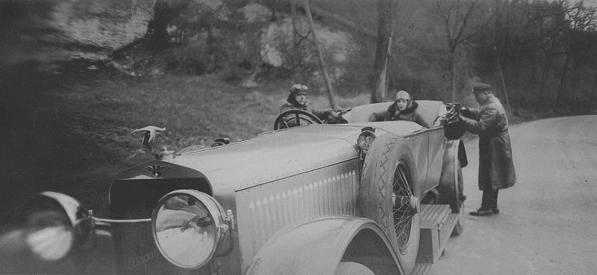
246 38
278 49
70 29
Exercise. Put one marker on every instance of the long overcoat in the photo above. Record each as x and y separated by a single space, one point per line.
496 168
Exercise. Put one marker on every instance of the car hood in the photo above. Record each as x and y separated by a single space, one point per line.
280 154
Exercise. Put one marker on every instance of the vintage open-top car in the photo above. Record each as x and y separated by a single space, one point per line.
320 199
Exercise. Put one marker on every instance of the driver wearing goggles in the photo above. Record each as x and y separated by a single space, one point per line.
297 100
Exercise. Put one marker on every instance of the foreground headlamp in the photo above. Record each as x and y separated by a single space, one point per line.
56 223
366 138
189 228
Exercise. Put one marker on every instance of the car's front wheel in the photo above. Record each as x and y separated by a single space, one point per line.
387 196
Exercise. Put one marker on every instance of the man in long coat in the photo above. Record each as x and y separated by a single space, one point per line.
496 169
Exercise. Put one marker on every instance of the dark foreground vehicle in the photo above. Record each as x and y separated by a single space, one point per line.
320 199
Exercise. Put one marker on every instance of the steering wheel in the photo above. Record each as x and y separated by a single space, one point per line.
293 118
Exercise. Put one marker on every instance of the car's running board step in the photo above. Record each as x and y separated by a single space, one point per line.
437 224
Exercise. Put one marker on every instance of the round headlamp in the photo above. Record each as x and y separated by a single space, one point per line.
56 223
188 228
366 138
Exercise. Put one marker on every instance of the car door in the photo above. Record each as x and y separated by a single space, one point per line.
437 146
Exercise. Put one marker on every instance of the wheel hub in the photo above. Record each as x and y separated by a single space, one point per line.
411 203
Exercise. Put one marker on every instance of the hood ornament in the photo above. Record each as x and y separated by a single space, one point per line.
151 140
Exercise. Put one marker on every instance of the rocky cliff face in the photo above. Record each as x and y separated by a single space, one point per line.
70 29
278 49
194 36
211 35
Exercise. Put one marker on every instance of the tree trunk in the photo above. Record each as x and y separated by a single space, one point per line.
502 79
453 73
322 65
385 10
496 27
544 81
294 27
561 98
592 97
295 49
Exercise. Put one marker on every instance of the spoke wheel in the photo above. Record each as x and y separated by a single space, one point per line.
405 206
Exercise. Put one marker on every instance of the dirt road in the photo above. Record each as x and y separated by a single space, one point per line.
548 220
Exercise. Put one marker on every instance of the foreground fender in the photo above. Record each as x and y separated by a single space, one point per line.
319 245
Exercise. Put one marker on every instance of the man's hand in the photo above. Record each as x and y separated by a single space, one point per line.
335 114
453 114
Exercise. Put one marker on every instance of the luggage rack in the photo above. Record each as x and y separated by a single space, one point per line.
437 224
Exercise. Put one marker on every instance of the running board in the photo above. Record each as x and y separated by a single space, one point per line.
437 224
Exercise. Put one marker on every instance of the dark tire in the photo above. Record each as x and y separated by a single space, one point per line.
450 187
388 172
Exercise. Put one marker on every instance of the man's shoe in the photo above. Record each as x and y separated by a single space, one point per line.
495 211
482 212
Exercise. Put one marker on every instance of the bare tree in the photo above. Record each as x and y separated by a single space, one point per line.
385 11
462 22
580 19
500 68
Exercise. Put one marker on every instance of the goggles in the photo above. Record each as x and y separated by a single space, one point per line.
299 89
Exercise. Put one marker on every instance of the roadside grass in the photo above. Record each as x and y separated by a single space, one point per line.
71 131
103 109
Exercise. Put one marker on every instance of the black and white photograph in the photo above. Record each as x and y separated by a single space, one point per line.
305 137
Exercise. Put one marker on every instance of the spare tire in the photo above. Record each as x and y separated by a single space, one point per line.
387 196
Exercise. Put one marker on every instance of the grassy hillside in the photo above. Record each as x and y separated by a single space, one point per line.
70 131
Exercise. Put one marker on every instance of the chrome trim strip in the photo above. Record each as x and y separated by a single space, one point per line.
104 220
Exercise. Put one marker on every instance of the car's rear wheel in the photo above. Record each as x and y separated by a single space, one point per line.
388 196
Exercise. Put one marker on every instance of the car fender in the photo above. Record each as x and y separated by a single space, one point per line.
319 245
